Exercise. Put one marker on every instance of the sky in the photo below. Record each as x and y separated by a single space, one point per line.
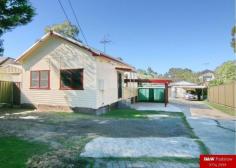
160 34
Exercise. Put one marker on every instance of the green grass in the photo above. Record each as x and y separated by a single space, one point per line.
222 108
185 122
202 146
136 114
15 152
78 144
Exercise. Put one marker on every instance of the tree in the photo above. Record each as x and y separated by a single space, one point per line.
65 28
178 74
147 74
119 58
233 41
14 13
150 71
225 73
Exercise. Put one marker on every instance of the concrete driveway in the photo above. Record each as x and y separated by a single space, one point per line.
156 107
214 128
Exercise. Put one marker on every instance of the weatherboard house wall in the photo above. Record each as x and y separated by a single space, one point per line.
54 53
10 72
53 56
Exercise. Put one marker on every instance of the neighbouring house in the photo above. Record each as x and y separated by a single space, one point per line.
6 61
9 70
179 89
62 74
206 76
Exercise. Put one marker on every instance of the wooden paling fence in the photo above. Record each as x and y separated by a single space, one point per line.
10 92
223 94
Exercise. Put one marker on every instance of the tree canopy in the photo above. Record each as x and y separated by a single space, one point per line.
178 74
65 28
147 74
225 73
14 13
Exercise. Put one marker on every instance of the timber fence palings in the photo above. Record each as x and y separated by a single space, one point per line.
223 94
6 92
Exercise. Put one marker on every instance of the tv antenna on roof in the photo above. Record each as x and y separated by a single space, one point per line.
105 41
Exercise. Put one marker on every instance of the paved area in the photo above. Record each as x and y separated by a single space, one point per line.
142 147
156 107
216 130
100 163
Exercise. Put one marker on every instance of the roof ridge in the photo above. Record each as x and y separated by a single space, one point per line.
97 51
94 51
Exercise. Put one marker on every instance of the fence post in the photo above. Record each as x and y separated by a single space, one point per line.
12 93
234 94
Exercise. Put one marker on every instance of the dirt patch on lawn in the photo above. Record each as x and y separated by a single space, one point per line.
51 132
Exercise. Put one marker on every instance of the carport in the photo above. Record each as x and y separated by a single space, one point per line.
179 89
198 89
152 90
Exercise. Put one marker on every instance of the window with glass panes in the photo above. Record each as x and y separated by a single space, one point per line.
39 79
71 79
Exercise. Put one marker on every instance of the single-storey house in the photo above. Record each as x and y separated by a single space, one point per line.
206 76
62 74
9 70
6 61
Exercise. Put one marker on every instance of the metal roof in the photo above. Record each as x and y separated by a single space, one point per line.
94 51
4 59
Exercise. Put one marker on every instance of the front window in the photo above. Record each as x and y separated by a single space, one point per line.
71 79
39 79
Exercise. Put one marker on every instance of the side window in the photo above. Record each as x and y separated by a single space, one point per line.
34 79
71 79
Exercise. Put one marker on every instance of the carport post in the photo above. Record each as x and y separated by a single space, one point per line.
202 93
166 94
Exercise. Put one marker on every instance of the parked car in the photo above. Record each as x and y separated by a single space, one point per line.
190 96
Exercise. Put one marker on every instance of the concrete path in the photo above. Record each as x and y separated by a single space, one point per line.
210 114
215 129
156 107
142 147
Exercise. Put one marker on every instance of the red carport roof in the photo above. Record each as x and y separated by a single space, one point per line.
159 80
149 80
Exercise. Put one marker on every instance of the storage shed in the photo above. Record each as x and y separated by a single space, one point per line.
151 94
152 90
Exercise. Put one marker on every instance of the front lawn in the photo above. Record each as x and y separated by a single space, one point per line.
15 152
68 133
222 108
136 114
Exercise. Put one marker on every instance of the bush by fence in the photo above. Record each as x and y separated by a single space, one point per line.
223 94
9 92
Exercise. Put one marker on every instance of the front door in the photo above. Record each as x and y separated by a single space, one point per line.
119 84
